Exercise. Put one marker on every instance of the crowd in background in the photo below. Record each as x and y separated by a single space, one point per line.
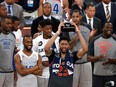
51 56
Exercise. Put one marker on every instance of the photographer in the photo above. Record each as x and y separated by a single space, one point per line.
61 65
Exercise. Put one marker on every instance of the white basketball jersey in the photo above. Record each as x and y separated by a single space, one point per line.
57 8
27 62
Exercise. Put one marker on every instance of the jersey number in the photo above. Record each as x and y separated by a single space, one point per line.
56 8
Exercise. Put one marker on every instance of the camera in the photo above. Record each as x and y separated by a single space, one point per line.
68 27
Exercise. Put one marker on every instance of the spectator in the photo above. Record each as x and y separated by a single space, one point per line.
46 14
79 5
106 12
28 64
102 51
3 12
62 60
83 71
57 8
39 44
7 47
14 9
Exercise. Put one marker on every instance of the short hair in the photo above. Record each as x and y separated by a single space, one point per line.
107 23
6 17
14 18
2 5
90 4
27 35
64 38
46 3
76 10
45 22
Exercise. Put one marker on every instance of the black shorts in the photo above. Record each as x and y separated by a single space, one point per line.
60 81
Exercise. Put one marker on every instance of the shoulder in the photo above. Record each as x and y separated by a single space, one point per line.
17 5
38 38
17 55
97 37
85 27
113 4
97 19
2 3
38 19
114 37
98 5
35 53
54 19
13 34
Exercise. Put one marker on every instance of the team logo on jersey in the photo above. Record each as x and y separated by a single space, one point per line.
40 43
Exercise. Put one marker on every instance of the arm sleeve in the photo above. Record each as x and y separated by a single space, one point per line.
91 48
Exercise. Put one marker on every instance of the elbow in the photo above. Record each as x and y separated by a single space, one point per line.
85 50
88 59
22 73
46 48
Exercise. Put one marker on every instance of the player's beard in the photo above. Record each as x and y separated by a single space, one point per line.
28 49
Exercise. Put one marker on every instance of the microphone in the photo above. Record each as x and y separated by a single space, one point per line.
109 84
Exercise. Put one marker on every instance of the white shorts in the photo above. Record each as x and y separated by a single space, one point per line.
42 82
6 79
82 76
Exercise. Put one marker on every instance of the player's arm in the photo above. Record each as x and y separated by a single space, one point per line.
39 64
52 40
40 12
22 70
65 4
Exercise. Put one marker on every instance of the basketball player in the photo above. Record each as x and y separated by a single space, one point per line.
38 46
28 64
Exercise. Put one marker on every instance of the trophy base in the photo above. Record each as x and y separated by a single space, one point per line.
67 27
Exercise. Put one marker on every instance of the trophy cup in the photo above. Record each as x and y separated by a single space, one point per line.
68 27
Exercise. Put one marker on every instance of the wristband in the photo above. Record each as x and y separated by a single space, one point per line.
58 33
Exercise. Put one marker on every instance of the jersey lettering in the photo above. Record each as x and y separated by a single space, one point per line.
56 8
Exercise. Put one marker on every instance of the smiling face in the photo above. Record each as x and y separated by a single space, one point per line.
64 46
28 43
107 30
47 30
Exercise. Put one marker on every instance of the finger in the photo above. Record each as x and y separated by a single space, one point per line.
105 63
